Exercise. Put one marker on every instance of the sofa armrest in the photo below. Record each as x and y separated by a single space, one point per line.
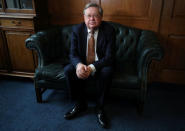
41 42
148 49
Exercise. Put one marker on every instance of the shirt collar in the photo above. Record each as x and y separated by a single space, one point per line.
88 30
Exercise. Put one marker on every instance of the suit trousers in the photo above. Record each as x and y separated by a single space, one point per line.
76 86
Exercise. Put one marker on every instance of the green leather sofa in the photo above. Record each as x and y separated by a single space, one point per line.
135 49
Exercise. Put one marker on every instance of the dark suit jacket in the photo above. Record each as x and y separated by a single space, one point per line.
105 45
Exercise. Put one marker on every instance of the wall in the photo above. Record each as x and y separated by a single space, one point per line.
165 17
140 13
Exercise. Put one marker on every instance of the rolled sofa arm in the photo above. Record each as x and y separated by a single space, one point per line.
41 43
149 49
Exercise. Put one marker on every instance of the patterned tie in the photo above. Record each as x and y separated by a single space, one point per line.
91 49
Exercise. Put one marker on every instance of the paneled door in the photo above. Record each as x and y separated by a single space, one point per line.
173 39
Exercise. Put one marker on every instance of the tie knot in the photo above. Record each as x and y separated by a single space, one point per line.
92 32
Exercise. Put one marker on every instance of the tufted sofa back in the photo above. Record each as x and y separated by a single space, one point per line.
56 44
126 46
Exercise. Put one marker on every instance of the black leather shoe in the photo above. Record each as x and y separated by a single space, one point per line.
102 119
78 108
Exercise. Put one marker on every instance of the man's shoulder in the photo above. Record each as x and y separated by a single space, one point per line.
79 27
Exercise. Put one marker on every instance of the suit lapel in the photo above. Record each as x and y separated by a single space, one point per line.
100 41
84 43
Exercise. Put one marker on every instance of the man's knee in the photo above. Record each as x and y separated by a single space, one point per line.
69 70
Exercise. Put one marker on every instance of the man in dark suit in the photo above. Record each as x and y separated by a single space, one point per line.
90 62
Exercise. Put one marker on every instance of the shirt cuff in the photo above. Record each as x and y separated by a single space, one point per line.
93 69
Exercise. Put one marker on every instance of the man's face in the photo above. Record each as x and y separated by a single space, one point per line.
92 17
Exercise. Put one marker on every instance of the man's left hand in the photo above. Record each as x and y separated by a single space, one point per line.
83 71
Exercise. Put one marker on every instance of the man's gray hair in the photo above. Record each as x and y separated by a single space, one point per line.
94 5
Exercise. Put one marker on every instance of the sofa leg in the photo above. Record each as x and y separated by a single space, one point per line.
140 105
38 95
140 108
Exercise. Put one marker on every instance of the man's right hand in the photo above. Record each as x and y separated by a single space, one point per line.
82 71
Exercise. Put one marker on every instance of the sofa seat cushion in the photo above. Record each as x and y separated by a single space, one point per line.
52 84
125 80
51 72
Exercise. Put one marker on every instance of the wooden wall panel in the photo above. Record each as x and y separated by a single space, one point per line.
143 14
131 8
176 57
179 6
67 11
